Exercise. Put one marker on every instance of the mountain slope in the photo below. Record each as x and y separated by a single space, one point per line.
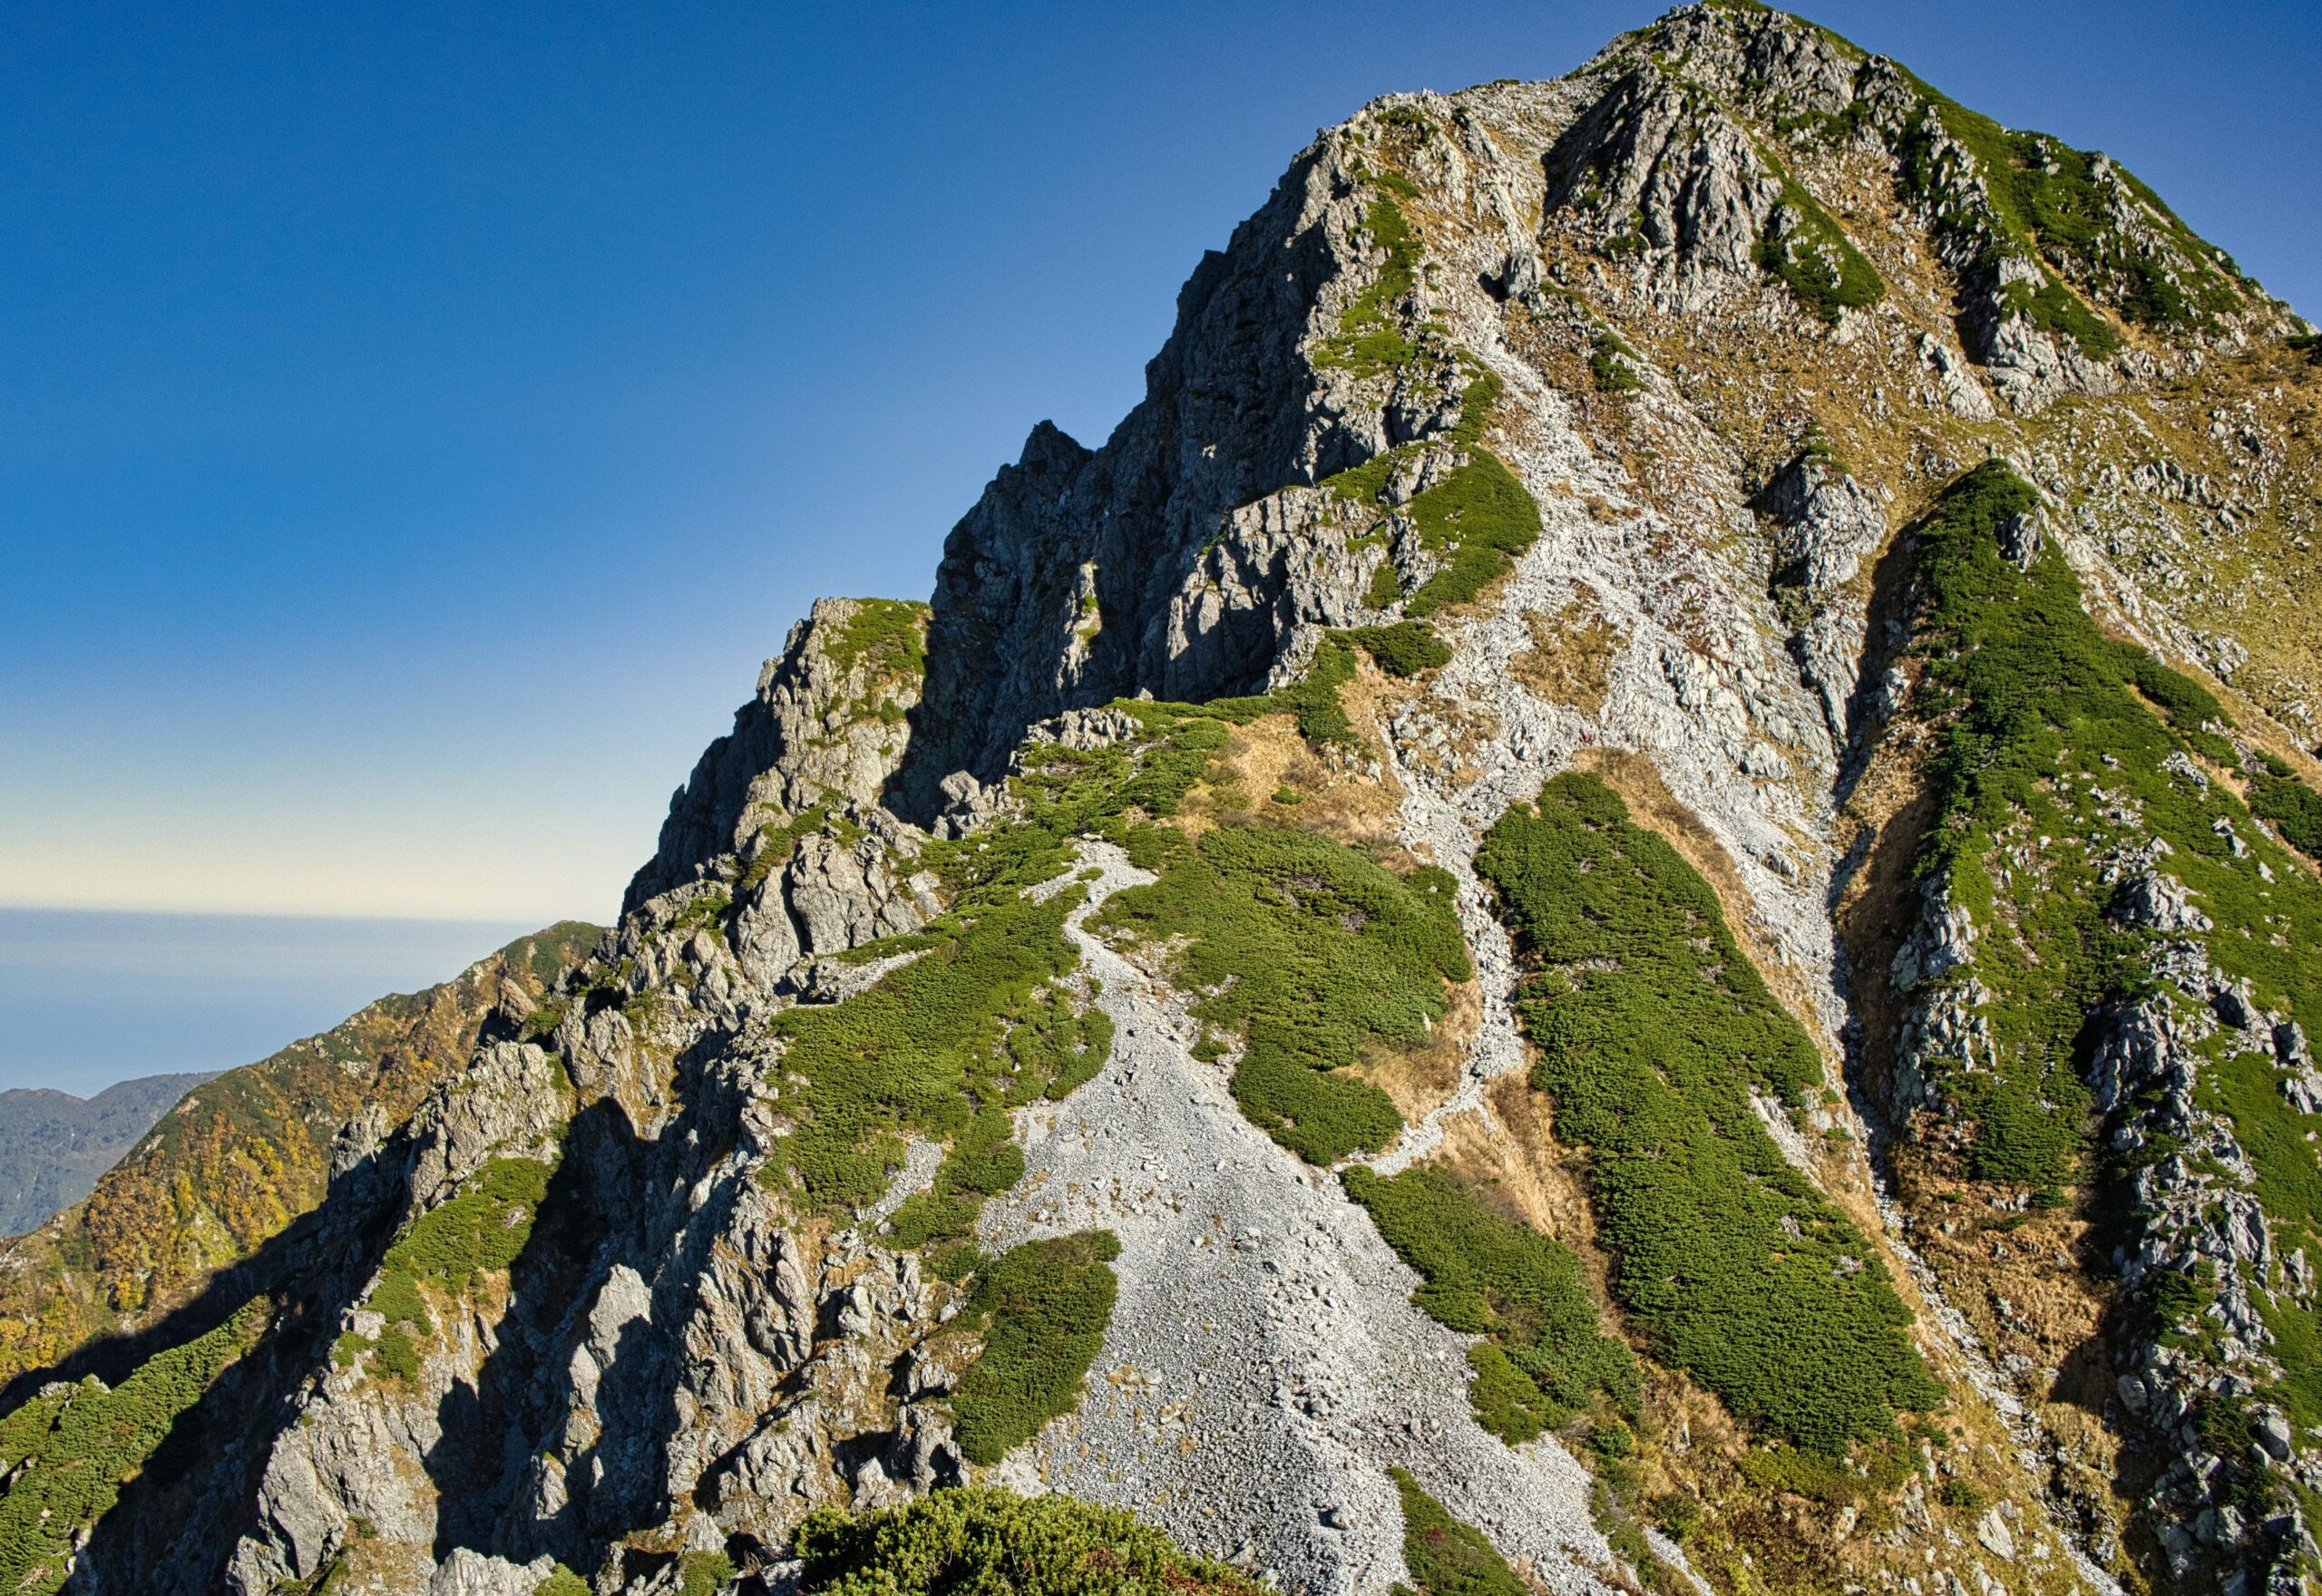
242 1155
1596 911
54 1145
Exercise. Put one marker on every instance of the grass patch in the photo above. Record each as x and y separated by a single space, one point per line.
69 1455
983 1541
452 1246
1445 1557
1042 1308
1488 1273
978 1024
2045 727
1816 258
1477 519
776 844
1307 951
888 634
1654 1033
1369 340
1404 650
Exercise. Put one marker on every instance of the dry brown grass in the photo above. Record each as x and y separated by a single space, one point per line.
1338 797
1419 1079
1525 1164
1570 654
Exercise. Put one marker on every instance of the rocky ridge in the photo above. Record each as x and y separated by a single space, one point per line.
1617 425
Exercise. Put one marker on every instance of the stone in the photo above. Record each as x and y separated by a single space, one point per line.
471 1573
2154 901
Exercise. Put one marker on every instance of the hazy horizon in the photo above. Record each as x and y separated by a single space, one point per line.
97 997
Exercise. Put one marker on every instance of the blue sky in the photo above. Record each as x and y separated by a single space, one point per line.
417 422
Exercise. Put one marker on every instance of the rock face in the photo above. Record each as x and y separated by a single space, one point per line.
1068 584
1606 423
830 724
1672 178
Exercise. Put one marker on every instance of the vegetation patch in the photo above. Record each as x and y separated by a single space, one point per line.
1404 649
1475 521
982 1542
889 635
701 1573
1478 519
1307 951
1612 361
1656 1032
1370 340
1042 1308
1489 1274
2059 749
2289 805
1445 1557
481 1230
66 1456
928 1050
1815 258
1313 700
453 1247
2050 730
776 844
2045 197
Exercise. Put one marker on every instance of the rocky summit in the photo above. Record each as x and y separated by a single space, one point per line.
1625 898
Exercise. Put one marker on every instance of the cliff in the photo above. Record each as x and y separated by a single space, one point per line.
1626 897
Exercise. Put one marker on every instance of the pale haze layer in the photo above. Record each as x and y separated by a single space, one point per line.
419 422
92 998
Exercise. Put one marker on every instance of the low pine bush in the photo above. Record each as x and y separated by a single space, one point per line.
482 1230
1403 649
1445 1557
1489 1273
1656 1032
1479 517
1309 950
1043 1308
982 1540
70 1453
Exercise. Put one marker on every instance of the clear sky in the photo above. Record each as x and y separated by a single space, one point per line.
417 421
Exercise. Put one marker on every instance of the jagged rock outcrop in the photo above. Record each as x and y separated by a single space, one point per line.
1828 526
829 724
1470 449
1065 585
1666 175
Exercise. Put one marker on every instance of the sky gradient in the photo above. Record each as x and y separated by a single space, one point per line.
92 998
419 420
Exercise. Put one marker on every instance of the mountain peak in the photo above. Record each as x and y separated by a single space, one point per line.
1625 895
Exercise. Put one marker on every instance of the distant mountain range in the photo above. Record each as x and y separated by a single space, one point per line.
54 1145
